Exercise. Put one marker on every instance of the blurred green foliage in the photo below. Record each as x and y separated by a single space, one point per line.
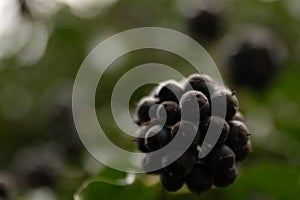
28 95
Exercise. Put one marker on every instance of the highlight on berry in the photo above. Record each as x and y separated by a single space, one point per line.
166 110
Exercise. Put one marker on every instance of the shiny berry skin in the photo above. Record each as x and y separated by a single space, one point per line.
227 177
187 130
170 182
242 152
222 98
200 82
200 179
169 90
140 139
215 124
188 104
182 166
142 114
238 117
238 135
168 111
157 137
148 163
219 158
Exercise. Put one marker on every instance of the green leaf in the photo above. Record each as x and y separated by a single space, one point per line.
111 185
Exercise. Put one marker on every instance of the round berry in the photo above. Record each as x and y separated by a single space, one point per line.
147 165
214 124
142 112
169 112
182 166
200 82
255 58
194 102
220 158
227 177
140 139
170 182
157 137
169 90
238 135
199 179
38 166
222 98
186 130
242 152
238 117
206 24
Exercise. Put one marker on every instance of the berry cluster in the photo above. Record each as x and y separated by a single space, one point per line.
206 24
161 114
255 59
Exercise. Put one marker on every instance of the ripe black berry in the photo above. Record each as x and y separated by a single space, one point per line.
189 102
142 112
238 117
199 179
157 137
222 98
169 112
148 164
186 130
238 135
170 182
242 152
220 158
192 117
227 177
215 124
140 139
200 82
169 90
182 166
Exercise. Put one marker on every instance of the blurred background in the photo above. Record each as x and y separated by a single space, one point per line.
255 44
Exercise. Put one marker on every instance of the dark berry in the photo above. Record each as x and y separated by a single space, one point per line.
182 166
3 191
148 164
192 103
157 137
255 59
206 24
200 82
220 158
140 139
187 129
227 177
169 90
142 112
38 166
169 112
224 98
238 135
170 182
215 124
199 179
242 152
238 117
